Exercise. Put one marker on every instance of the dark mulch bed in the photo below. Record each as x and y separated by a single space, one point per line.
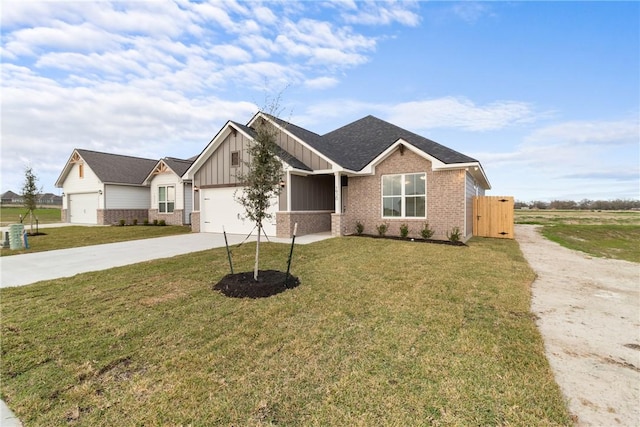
39 233
242 285
412 239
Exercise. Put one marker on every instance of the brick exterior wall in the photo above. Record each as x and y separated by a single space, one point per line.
445 198
174 218
309 222
64 215
113 216
195 221
337 225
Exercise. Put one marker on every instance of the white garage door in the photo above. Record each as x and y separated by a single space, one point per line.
220 209
83 208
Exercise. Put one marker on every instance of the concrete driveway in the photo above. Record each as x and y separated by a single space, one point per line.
18 270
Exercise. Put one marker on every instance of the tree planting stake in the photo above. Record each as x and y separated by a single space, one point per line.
228 252
293 240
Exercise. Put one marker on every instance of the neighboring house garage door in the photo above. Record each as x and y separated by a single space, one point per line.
83 208
220 209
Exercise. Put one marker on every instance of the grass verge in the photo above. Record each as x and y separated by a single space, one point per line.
77 236
378 333
608 241
11 215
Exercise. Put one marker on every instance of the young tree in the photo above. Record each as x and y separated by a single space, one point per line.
30 192
261 182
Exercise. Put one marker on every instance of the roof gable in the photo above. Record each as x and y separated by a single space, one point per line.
357 144
111 168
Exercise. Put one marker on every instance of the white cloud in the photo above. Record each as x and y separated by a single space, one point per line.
321 83
382 13
446 112
616 132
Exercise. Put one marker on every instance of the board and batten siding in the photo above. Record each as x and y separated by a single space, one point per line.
312 193
126 197
217 170
302 153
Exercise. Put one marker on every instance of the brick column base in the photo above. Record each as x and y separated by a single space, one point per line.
336 224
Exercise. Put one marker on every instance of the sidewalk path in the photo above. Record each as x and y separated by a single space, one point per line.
18 270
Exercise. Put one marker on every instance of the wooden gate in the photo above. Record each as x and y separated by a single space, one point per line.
493 216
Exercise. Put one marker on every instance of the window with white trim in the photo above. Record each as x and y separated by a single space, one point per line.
404 195
166 198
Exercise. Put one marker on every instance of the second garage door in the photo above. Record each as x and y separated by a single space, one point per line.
83 208
219 209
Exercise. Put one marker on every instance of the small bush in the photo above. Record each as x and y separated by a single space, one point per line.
404 230
382 229
426 232
454 236
155 222
162 223
135 221
122 222
359 228
145 222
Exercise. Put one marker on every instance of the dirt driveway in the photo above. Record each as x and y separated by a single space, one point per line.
589 316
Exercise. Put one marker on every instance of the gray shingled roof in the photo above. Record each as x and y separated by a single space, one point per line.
118 169
284 155
179 166
355 145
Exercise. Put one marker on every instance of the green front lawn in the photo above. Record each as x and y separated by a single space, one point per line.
608 241
379 333
76 236
11 215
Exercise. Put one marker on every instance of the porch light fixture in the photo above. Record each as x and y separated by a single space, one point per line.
196 188
282 183
100 192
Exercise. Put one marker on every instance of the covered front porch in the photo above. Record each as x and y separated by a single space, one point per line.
315 202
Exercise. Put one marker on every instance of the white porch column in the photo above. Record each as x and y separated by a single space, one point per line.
338 193
288 190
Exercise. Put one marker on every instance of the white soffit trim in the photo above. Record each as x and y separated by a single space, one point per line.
370 168
334 164
209 150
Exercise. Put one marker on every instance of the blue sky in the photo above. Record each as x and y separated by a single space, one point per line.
546 95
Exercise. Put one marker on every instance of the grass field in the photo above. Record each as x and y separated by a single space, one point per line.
383 333
609 234
76 236
11 215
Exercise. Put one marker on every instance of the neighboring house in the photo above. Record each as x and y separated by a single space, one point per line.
10 197
171 196
49 199
369 171
103 188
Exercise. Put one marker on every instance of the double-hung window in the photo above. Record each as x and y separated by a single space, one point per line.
166 198
404 195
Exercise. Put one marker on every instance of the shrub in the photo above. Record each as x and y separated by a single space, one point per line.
162 223
135 221
426 232
155 222
122 222
145 222
404 230
382 229
359 228
454 236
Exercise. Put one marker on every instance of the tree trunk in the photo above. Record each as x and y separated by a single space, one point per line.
255 268
31 220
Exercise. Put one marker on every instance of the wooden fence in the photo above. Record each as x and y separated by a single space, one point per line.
493 216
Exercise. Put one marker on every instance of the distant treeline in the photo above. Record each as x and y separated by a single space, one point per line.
598 205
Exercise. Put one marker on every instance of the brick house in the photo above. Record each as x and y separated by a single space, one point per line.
369 171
